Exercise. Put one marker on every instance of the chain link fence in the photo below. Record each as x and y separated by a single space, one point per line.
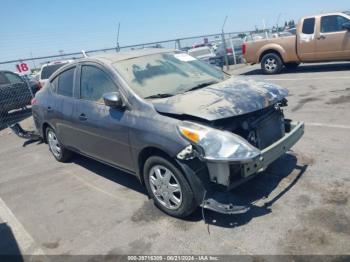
16 93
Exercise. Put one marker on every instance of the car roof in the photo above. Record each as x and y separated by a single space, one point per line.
199 48
120 56
326 14
110 58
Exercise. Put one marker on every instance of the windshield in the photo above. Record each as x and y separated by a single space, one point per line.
49 70
166 73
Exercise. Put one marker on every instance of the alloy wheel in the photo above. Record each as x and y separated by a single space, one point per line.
270 64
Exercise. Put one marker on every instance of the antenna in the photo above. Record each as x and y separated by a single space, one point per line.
84 54
278 20
118 48
222 29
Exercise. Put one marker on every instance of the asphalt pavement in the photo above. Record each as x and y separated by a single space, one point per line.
300 205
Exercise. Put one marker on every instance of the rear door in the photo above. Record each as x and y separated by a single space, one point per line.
306 40
103 132
333 41
61 108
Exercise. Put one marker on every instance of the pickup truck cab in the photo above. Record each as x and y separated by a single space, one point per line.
319 38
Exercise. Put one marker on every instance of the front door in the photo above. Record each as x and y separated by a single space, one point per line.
103 133
306 40
333 41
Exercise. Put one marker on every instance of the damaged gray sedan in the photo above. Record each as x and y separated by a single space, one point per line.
185 129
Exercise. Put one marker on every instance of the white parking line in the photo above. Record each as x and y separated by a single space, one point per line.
24 241
307 78
328 125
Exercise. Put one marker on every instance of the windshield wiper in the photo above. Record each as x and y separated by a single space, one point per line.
159 96
201 85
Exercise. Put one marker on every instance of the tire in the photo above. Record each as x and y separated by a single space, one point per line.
60 153
271 64
160 190
291 66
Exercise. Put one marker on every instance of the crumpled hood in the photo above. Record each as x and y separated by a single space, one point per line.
232 97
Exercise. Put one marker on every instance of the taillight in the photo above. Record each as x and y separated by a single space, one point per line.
33 102
229 50
244 48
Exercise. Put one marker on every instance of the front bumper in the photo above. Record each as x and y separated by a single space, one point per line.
222 172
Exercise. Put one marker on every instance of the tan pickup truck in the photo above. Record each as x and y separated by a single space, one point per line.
319 38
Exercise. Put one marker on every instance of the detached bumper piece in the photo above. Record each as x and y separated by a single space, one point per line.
20 132
217 205
232 174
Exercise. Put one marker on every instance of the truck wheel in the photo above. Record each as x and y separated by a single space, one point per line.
291 66
57 149
168 188
271 64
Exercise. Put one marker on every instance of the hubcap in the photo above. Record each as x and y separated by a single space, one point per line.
54 144
165 187
271 64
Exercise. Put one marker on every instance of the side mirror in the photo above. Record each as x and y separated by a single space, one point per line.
346 26
113 100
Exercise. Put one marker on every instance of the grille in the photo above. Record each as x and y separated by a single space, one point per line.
270 130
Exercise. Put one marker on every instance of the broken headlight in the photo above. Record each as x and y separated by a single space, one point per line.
217 145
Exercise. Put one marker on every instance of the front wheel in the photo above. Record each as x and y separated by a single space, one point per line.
168 187
271 64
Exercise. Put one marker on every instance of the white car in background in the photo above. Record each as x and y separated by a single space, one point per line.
204 53
49 68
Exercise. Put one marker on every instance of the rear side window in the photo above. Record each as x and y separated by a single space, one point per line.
47 71
95 83
333 23
309 26
65 83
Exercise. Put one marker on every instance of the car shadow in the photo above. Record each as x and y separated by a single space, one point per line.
110 173
9 249
257 189
307 68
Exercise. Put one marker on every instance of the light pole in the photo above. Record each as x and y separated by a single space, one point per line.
224 44
117 47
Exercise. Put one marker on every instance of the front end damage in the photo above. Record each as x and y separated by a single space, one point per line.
268 132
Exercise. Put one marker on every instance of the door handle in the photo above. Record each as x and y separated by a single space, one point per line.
49 109
82 117
322 37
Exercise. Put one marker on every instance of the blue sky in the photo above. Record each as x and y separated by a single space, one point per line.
41 27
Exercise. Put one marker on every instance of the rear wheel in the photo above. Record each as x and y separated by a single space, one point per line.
168 187
271 64
57 149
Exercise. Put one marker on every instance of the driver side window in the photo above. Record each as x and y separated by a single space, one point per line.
94 83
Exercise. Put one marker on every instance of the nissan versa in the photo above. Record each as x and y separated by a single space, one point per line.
185 129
